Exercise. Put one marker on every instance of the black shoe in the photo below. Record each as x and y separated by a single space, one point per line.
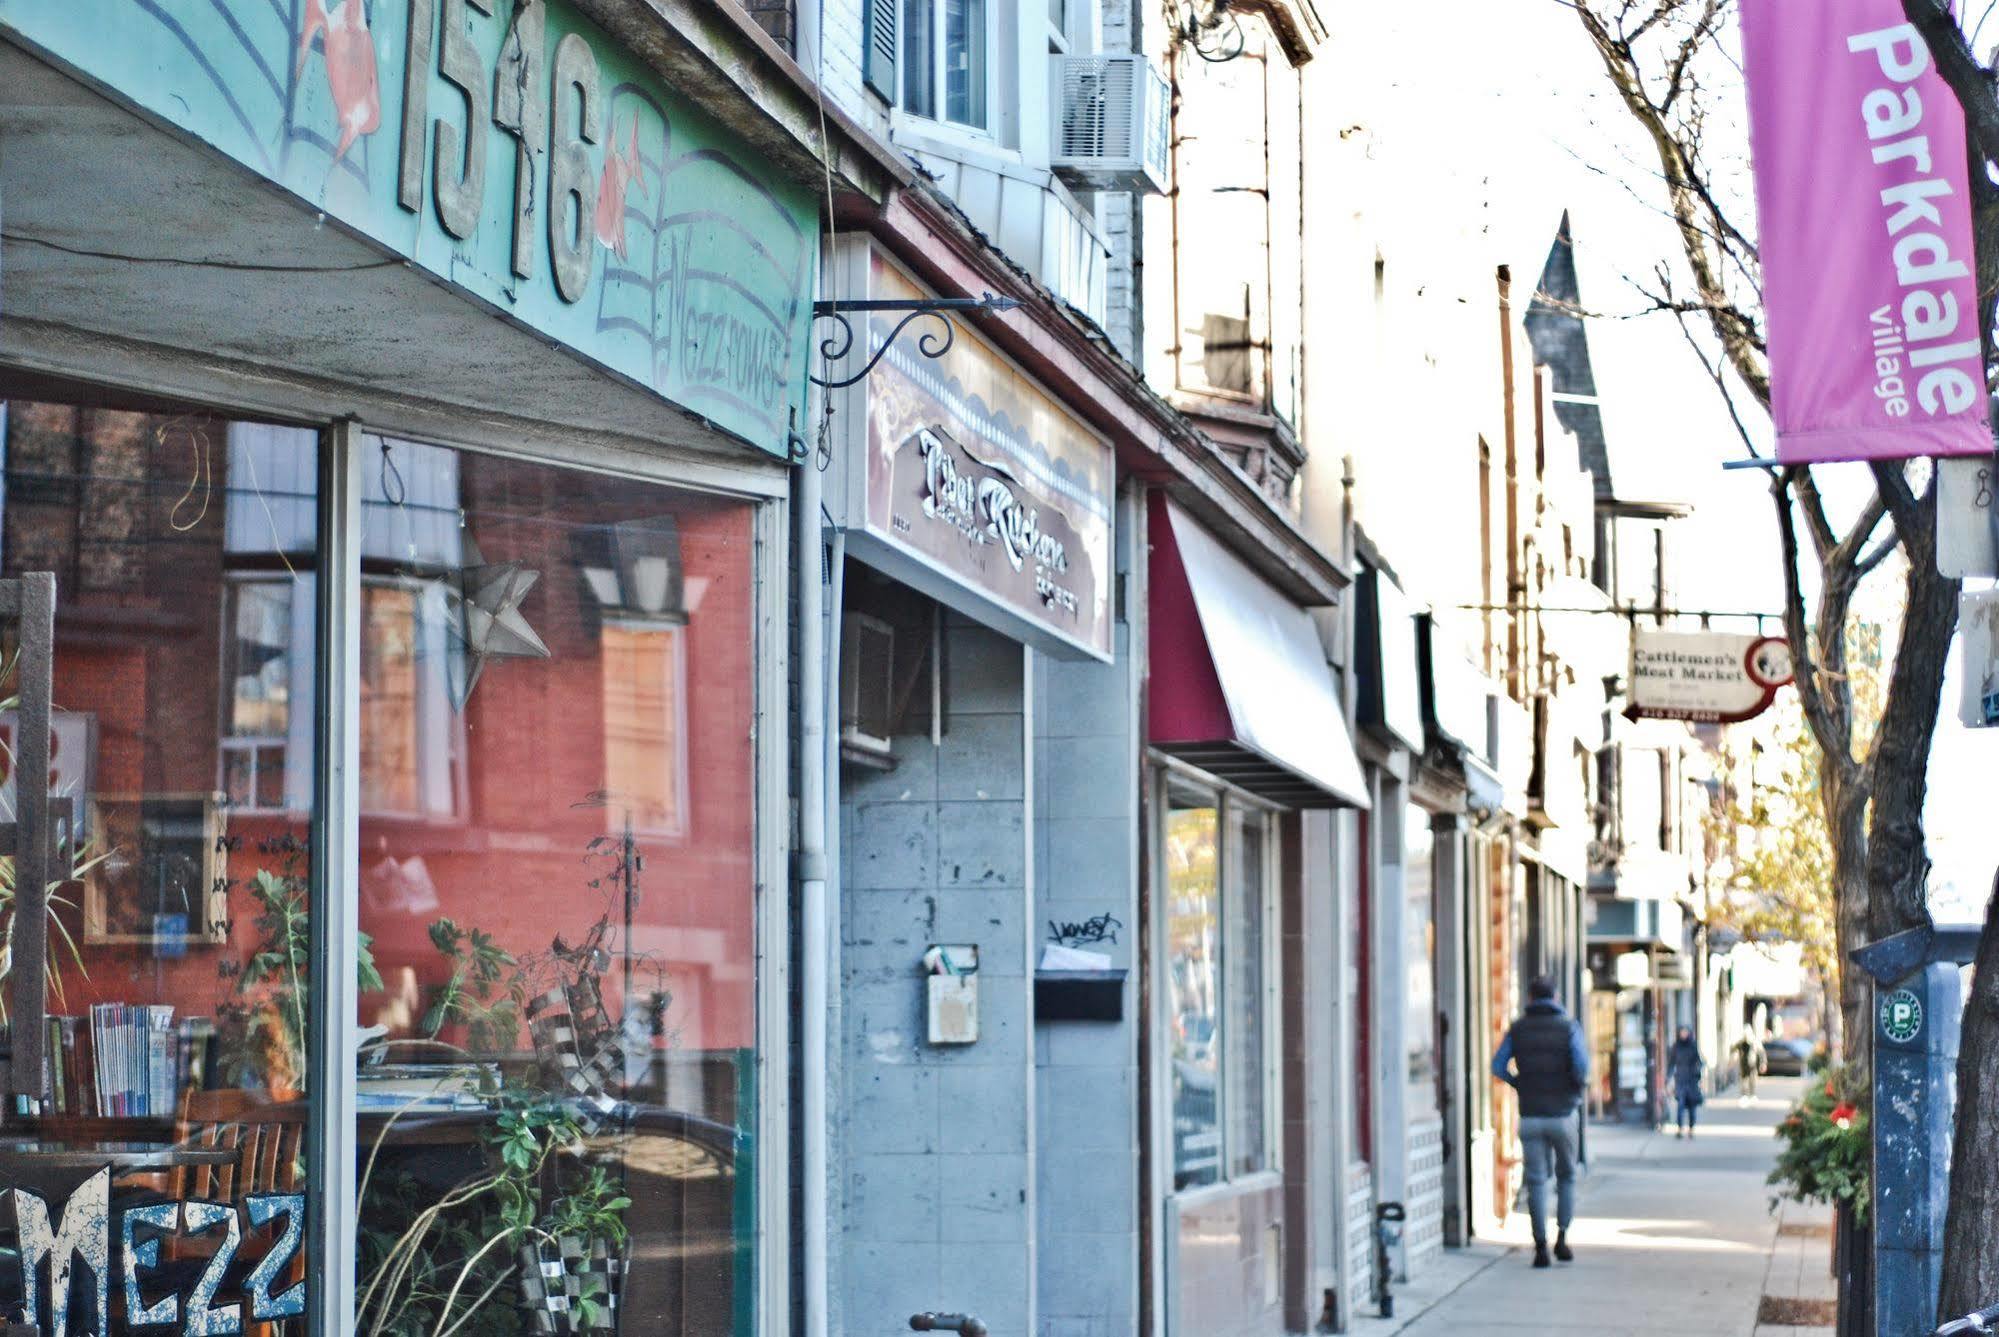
1541 1256
1562 1250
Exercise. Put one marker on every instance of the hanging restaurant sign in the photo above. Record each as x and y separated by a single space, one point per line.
1865 237
512 150
977 481
1705 676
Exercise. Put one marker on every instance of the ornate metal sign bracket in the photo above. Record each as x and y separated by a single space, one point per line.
931 344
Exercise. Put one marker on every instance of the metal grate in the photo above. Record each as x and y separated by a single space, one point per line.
1097 107
1112 129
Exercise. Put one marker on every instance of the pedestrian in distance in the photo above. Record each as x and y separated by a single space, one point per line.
1543 1058
1684 1067
1752 1061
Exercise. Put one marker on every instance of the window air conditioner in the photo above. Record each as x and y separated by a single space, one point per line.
1110 123
867 684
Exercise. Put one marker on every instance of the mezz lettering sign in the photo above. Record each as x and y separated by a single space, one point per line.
72 1259
982 487
508 147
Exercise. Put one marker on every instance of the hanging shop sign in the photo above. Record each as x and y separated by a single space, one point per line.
512 150
1705 676
978 482
1859 154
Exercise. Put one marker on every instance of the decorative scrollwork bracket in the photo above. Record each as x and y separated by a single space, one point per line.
931 343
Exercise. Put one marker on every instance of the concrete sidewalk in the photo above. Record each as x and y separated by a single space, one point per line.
1671 1238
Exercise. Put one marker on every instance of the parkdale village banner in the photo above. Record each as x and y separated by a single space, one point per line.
1865 235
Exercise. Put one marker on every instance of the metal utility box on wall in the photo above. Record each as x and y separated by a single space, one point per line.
951 984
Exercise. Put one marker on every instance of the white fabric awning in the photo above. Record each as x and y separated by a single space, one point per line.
1283 708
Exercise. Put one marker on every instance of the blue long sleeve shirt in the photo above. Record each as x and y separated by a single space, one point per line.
1502 1059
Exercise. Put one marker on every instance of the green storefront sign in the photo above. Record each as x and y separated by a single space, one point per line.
508 147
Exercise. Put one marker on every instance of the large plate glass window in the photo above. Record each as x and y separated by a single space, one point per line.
1421 1017
156 1178
1219 860
557 894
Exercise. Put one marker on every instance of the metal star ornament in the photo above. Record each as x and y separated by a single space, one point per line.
488 623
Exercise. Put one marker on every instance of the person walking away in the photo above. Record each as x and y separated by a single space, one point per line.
1752 1060
1544 1059
1684 1066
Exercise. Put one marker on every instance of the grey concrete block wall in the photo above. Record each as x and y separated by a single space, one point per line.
935 1190
1086 864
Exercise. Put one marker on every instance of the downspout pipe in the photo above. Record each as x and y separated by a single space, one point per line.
814 998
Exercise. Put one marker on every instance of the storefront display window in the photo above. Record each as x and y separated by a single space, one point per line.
1218 860
1420 922
157 1178
1194 984
1248 1079
558 893
557 887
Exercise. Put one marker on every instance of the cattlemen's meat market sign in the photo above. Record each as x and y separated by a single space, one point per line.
1705 676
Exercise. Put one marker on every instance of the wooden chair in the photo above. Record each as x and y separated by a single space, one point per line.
269 1139
267 1136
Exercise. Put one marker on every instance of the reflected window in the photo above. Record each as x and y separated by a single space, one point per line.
563 665
177 953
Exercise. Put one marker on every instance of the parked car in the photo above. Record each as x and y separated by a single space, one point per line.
1787 1058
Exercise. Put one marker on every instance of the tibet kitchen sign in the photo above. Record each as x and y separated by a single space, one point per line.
1705 676
981 490
1865 235
510 149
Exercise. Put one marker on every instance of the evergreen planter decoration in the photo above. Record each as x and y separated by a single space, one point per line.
1825 1156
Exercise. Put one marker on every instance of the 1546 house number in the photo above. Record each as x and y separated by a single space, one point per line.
551 114
59 1253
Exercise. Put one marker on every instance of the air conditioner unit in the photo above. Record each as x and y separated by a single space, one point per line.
867 684
1110 123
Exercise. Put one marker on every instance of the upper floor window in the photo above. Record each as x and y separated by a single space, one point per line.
944 59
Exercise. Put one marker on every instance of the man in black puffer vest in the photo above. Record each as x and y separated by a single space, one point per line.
1544 1059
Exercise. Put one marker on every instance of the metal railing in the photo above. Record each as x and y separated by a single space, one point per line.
1984 1321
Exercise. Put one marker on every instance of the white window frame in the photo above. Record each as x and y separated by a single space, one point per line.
296 741
940 125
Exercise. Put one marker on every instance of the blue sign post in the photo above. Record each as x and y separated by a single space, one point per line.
1918 1007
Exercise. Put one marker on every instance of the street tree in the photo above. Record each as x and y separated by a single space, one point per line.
1667 61
1971 1226
1772 841
1661 58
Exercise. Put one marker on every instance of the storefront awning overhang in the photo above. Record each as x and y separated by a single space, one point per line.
1239 682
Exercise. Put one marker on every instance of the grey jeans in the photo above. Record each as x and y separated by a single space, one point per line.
1547 1141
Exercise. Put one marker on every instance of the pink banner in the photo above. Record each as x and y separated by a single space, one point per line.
1865 235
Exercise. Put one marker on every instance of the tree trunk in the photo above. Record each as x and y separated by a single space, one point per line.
1846 824
1971 1227
1898 862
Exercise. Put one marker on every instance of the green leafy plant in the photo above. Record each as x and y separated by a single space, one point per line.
478 967
431 1262
82 859
1826 1146
269 1024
